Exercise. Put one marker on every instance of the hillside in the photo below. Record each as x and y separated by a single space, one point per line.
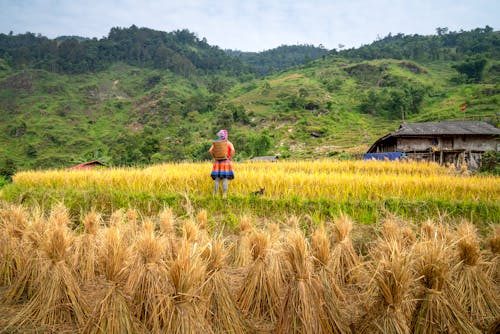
132 111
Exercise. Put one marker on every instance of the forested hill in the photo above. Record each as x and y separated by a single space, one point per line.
280 58
140 96
179 51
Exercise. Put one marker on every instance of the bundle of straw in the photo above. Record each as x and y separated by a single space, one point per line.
85 247
222 312
112 313
333 296
390 292
438 311
476 291
186 274
344 257
302 310
57 297
259 295
148 283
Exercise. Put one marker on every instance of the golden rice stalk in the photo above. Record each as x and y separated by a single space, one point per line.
57 297
117 218
222 312
113 256
167 221
344 257
186 274
13 220
112 314
246 224
259 295
26 257
148 283
302 310
438 310
397 231
59 216
242 254
191 232
475 290
391 293
86 247
202 219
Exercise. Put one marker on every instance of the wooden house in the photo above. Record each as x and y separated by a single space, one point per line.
444 142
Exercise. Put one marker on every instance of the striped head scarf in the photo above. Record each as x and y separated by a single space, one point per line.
222 135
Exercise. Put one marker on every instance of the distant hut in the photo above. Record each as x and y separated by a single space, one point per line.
270 158
87 165
444 142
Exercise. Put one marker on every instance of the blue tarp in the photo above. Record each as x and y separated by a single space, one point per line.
384 156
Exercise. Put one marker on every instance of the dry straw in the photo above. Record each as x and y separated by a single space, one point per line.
222 311
112 313
148 282
390 292
259 295
476 291
57 298
86 247
344 257
438 311
334 306
186 274
302 310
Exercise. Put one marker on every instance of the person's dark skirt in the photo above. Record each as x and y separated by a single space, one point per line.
222 169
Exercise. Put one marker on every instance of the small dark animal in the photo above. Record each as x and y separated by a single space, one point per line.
258 192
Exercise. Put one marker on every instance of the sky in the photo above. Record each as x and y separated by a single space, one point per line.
252 25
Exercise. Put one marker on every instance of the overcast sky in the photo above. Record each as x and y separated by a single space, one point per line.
251 25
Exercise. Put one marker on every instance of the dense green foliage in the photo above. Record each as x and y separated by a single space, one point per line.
280 58
140 96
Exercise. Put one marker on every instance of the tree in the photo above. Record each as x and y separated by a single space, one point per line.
472 68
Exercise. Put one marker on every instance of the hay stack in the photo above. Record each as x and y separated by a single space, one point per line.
333 296
112 313
259 295
438 310
476 291
222 311
344 257
56 297
148 283
390 292
85 247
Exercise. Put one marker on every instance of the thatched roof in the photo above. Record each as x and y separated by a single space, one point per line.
446 128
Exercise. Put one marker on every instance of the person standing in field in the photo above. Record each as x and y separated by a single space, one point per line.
222 150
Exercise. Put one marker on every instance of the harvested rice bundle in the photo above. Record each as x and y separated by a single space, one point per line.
56 298
148 282
493 270
167 233
13 223
476 291
202 219
259 295
112 313
59 216
344 257
438 310
302 310
190 232
241 247
336 316
186 273
390 292
430 230
86 247
222 312
398 231
27 257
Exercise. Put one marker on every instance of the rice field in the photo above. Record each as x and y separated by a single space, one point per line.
132 273
365 190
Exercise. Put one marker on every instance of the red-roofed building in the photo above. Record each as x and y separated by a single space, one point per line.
87 165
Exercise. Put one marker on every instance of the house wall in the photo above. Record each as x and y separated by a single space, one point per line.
448 143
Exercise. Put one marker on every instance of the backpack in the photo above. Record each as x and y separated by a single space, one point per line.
221 150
